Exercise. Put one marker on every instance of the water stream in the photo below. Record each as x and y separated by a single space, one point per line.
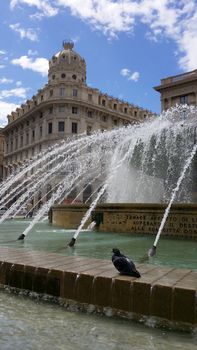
138 163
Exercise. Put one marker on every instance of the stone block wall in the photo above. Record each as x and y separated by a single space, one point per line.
132 218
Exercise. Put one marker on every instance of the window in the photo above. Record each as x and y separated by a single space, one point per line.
53 76
51 93
89 129
41 115
90 114
63 75
135 113
74 128
115 106
61 126
62 91
104 118
21 141
115 122
61 108
41 97
103 102
125 110
90 97
40 131
50 128
74 110
27 138
75 92
74 76
184 99
27 123
33 135
50 110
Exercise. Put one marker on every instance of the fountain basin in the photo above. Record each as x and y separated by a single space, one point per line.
131 218
165 295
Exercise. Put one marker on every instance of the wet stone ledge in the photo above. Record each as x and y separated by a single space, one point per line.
131 218
164 296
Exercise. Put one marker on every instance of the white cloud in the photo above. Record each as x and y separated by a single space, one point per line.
18 83
39 64
24 33
125 72
134 76
45 8
6 108
20 92
2 66
2 52
32 53
172 19
5 81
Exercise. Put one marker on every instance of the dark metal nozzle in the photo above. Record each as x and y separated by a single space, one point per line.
21 237
152 251
72 242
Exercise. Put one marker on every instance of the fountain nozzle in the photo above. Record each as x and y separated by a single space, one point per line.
21 237
72 242
152 251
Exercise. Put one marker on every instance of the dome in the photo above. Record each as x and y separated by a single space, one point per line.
67 65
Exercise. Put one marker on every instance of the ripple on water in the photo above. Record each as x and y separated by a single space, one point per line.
30 324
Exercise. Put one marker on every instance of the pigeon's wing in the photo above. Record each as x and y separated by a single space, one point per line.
120 263
131 263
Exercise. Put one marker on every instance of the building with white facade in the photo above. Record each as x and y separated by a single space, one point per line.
65 106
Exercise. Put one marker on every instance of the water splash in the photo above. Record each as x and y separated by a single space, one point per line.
138 163
152 251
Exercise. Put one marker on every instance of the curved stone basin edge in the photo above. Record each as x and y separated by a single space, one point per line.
131 218
163 296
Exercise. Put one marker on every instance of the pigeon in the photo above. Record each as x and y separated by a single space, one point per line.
123 264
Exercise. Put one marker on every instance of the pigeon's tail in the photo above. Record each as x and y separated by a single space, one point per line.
131 273
136 274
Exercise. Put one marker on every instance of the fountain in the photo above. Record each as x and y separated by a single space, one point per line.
136 164
126 168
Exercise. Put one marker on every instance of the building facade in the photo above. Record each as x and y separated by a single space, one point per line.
1 153
178 89
65 106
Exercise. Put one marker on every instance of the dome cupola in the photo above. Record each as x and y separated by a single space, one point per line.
67 66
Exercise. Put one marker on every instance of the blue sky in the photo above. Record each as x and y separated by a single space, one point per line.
128 45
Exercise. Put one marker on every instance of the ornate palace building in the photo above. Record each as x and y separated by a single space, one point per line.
65 106
1 153
178 89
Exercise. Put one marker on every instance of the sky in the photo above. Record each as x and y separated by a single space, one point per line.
128 45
